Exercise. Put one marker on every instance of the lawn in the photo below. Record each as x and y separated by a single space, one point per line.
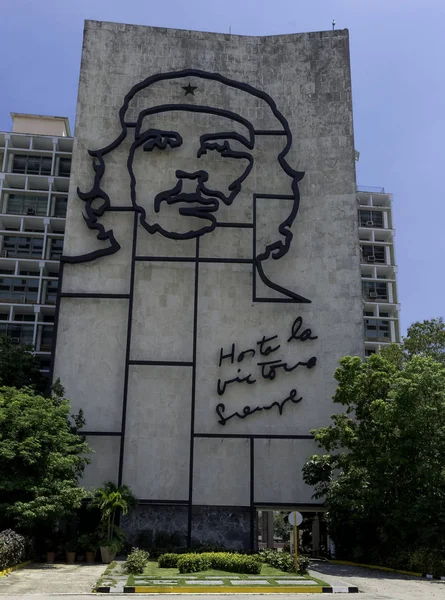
153 575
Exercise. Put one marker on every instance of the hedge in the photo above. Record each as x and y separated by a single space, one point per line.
137 561
223 561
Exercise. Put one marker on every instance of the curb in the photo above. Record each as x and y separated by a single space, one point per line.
15 568
388 569
141 589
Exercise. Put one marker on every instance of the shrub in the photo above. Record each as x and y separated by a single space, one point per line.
192 563
236 563
168 561
13 549
424 560
223 561
284 561
137 561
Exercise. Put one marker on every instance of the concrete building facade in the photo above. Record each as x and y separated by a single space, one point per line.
35 163
211 270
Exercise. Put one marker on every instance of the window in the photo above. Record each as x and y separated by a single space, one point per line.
18 291
31 165
22 247
4 316
373 254
374 290
19 204
56 249
60 207
48 318
24 317
370 218
51 292
377 330
19 334
64 167
46 338
369 353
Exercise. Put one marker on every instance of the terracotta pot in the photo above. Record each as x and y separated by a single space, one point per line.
50 557
90 557
107 554
70 558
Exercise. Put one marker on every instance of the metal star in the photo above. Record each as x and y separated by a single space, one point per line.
189 89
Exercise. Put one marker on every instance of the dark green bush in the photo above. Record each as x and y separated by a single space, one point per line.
137 561
284 561
236 563
192 563
223 561
13 549
424 560
168 561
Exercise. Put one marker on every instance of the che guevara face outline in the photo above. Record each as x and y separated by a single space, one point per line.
204 200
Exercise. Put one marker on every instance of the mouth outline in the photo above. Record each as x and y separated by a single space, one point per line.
176 196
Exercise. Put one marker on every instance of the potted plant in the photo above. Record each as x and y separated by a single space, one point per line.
111 499
53 546
88 543
70 551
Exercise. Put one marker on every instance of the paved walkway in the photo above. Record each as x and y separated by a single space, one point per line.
379 585
48 579
64 581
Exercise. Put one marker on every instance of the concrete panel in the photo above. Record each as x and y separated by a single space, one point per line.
221 472
104 461
163 312
157 444
91 343
278 465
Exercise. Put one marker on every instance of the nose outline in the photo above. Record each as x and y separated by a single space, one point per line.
201 176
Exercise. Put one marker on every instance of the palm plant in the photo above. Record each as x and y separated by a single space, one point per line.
111 499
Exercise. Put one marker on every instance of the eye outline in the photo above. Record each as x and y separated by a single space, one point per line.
158 138
224 149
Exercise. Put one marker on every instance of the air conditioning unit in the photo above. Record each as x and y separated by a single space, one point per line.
31 211
15 340
373 294
371 258
369 223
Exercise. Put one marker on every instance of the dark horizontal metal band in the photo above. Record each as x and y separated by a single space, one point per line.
277 300
241 225
270 132
274 196
102 433
255 436
194 260
161 363
120 209
87 295
172 502
290 504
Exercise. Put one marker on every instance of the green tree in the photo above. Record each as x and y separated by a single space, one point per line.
42 456
426 338
382 471
19 367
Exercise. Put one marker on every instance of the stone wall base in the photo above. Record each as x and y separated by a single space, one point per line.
168 526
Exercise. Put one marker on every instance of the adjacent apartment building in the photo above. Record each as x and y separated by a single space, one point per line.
378 268
35 164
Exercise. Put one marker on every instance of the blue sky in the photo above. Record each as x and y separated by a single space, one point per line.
397 53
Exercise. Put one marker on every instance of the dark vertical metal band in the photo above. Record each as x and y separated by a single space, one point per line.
127 352
192 412
252 494
254 248
56 325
